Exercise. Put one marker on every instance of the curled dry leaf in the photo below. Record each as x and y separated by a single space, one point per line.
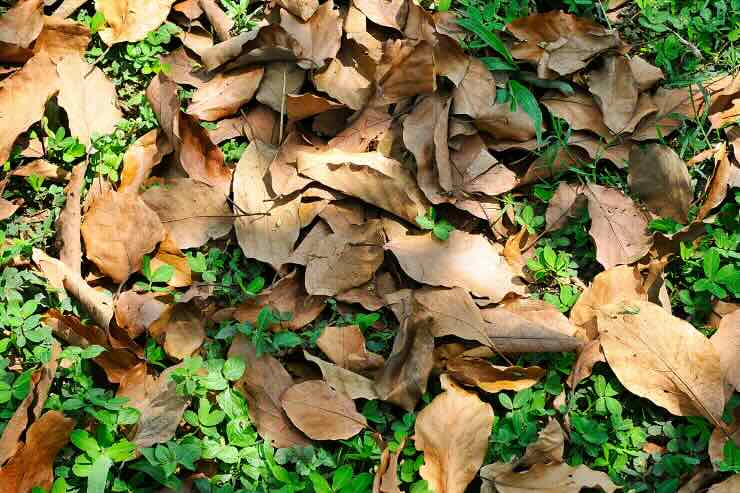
345 346
662 358
716 190
184 68
344 83
221 22
453 432
492 378
549 446
223 95
182 327
141 157
386 477
369 176
33 463
119 229
549 478
588 356
263 384
199 157
131 20
69 222
318 38
661 179
464 260
349 383
320 412
371 294
267 226
191 212
157 400
135 312
259 123
88 97
301 106
727 341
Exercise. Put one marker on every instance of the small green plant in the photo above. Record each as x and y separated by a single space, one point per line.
60 147
239 11
517 426
439 227
233 150
527 218
731 460
170 455
162 274
343 480
234 279
98 458
565 298
264 340
718 280
197 377
549 266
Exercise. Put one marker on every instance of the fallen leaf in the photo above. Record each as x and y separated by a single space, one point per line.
141 157
33 464
386 477
588 356
320 412
22 23
549 446
674 106
318 38
545 478
717 186
662 358
131 20
88 97
279 80
223 95
184 68
464 260
300 8
559 42
68 7
701 478
135 312
157 400
220 22
542 312
406 69
345 346
369 176
726 341
618 226
615 90
729 485
371 295
259 123
302 106
453 432
344 83
720 437
646 75
197 38
512 332
349 383
43 168
661 179
69 222
23 98
388 13
119 229
199 157
267 226
169 254
7 209
492 378
580 111
182 327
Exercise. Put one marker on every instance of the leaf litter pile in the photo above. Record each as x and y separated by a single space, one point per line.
380 163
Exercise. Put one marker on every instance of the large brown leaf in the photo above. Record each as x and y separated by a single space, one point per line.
345 346
62 37
545 478
453 432
280 79
661 179
464 260
23 98
322 413
369 176
349 383
70 220
385 13
674 105
301 8
131 20
318 39
268 226
135 312
615 91
662 358
406 69
344 83
192 212
182 327
21 25
32 465
199 157
119 229
88 97
618 226
223 95
157 400
549 446
141 157
221 22
263 384
727 341
481 373
513 332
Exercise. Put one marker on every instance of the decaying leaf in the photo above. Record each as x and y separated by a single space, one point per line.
545 478
615 91
661 179
199 157
320 412
223 95
406 69
141 157
70 220
386 477
169 254
119 229
483 374
135 312
385 13
349 383
131 20
662 358
453 432
318 38
182 327
345 346
549 446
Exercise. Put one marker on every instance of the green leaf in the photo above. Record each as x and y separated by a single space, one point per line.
98 477
487 36
505 401
442 230
91 352
425 222
232 404
121 450
526 100
163 273
228 454
342 477
711 263
188 453
234 369
286 340
320 484
83 441
443 5
59 486
256 285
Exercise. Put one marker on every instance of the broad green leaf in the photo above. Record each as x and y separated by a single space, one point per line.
524 98
320 484
98 477
234 369
711 263
487 36
342 477
84 441
163 273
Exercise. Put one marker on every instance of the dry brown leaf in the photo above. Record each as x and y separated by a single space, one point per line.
42 167
141 157
33 464
131 20
453 432
88 97
23 98
369 176
661 179
280 79
618 226
169 254
672 104
388 13
588 356
182 327
301 8
615 90
345 84
197 38
542 312
645 74
7 208
135 312
559 42
464 260
21 24
320 412
549 446
717 186
318 38
199 157
62 37
474 170
301 106
616 152
263 384
721 436
580 111
221 22
260 123
621 283
363 129
662 358
491 378
268 226
67 8
157 400
406 69
185 69
192 212
221 53
386 477
515 331
119 229
349 383
68 240
345 346
223 95
544 478
372 294
730 485
727 341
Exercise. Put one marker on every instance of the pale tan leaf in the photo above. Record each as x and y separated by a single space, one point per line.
615 91
344 83
320 412
68 7
221 22
549 446
345 346
588 356
131 20
349 383
22 23
301 106
542 312
182 327
301 8
62 37
280 79
135 312
661 179
169 254
318 38
406 69
453 432
730 485
546 478
388 13
513 332
645 74
259 123
141 157
727 342
662 358
492 378
70 220
223 95
42 167
363 129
